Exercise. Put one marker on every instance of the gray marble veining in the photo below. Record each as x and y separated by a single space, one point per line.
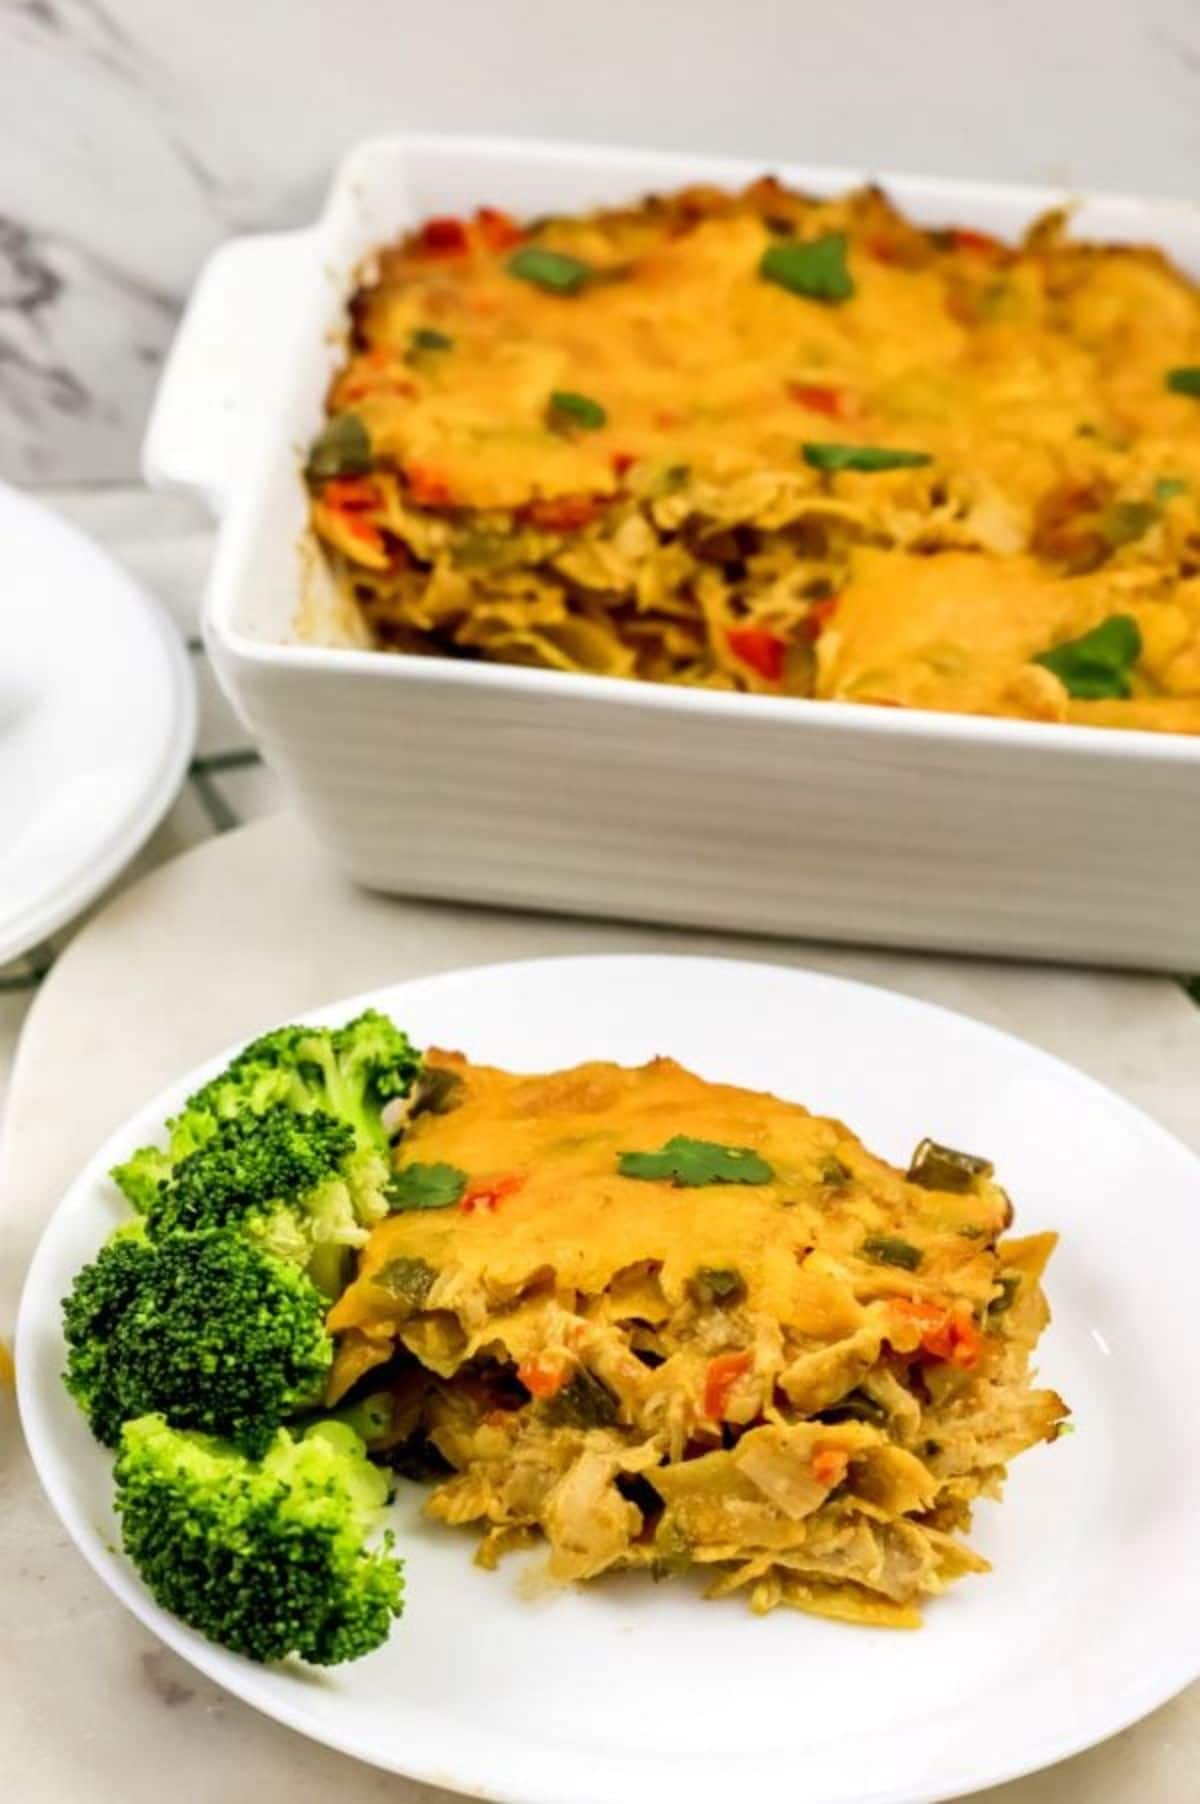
135 134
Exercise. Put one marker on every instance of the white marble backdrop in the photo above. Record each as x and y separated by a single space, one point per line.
134 134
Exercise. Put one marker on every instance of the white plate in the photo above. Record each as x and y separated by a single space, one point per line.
626 1690
97 721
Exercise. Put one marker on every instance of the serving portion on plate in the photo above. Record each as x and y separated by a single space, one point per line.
642 1317
757 440
767 1353
670 1324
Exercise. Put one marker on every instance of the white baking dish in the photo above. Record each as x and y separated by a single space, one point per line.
584 794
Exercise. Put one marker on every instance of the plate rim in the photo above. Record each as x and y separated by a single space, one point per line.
1169 1678
69 895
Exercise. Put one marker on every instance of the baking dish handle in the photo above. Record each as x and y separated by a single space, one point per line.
227 365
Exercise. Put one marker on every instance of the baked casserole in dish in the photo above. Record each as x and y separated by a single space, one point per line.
756 440
745 453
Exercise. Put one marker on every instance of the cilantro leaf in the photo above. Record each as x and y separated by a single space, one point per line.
553 270
816 269
1185 380
420 1186
690 1163
862 457
1097 665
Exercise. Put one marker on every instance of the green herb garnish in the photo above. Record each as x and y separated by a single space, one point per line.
428 338
1185 379
716 1284
566 409
888 1249
816 269
862 457
553 270
341 448
419 1186
1097 666
412 1279
1167 487
690 1163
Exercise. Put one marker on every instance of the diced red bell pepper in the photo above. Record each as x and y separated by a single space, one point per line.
364 531
819 616
544 1375
351 494
445 237
946 1333
829 1466
426 487
561 513
497 230
964 239
762 650
722 1374
483 1196
821 397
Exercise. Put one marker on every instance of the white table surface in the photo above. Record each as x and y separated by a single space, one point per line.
252 927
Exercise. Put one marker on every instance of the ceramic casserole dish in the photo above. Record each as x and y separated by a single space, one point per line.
489 783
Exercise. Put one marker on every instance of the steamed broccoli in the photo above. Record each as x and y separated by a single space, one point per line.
269 1558
208 1328
296 1183
351 1072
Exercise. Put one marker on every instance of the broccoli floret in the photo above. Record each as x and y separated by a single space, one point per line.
209 1329
350 1072
296 1183
142 1175
268 1558
378 1062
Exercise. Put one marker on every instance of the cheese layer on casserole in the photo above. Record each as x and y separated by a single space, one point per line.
760 441
670 1324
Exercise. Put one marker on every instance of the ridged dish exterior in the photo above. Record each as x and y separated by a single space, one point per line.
777 826
536 790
